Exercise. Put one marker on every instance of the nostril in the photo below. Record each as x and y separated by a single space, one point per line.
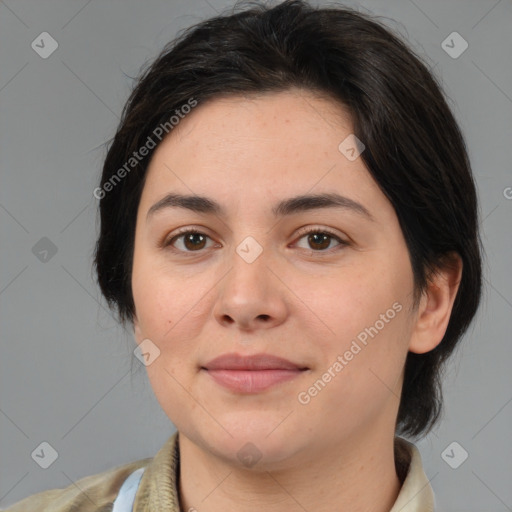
228 319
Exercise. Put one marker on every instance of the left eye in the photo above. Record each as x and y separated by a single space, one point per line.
319 240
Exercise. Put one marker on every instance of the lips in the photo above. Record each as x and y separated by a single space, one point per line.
251 363
251 374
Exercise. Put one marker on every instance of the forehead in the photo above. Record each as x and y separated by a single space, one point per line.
283 123
279 116
259 147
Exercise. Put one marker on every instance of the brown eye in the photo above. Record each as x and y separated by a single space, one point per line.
188 241
319 240
194 241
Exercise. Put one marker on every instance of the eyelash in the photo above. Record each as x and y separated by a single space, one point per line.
302 234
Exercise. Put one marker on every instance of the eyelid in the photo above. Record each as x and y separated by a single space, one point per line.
167 240
342 243
320 229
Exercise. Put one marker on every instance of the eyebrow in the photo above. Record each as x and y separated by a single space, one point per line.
293 205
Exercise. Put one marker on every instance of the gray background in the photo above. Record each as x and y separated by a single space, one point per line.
66 367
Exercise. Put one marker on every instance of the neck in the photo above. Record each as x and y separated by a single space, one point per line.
357 475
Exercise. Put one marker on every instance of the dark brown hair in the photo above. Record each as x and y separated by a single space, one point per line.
414 148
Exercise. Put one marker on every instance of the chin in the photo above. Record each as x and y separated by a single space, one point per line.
254 445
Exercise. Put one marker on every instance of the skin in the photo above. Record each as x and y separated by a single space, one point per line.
299 300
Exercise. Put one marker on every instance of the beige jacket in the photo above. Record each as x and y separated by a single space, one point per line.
158 492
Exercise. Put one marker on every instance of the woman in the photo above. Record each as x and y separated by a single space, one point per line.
289 225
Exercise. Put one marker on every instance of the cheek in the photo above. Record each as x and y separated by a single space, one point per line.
171 310
167 308
158 298
360 375
353 300
366 312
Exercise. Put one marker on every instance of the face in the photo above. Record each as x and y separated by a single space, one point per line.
325 285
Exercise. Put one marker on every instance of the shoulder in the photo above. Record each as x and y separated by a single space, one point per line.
94 493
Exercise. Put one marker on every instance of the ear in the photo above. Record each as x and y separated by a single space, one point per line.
436 305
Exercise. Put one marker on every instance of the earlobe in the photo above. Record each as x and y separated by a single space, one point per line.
436 306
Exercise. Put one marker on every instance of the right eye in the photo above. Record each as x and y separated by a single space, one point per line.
191 241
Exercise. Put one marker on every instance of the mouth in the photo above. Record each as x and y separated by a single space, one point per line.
251 374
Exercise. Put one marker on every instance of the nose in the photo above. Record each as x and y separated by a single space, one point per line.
251 296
